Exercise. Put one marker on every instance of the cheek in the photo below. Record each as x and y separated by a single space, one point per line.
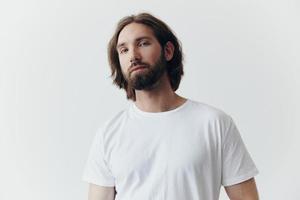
154 58
123 63
152 55
148 56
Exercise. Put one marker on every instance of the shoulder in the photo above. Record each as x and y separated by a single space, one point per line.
209 112
114 120
216 121
210 117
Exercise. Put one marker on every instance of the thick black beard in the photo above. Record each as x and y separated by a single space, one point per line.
149 79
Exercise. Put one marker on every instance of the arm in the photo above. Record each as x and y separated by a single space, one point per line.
101 193
243 191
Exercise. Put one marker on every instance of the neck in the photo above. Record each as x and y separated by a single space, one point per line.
159 99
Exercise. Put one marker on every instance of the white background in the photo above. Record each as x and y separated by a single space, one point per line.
55 89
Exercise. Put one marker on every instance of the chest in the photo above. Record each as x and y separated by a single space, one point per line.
140 153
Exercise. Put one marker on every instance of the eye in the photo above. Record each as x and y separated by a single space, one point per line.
123 50
144 43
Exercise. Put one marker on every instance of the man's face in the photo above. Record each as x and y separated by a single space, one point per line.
141 56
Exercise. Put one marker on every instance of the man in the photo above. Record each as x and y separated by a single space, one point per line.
163 146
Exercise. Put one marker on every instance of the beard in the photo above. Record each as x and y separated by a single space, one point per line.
148 78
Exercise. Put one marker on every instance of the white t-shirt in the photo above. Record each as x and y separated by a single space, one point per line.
186 153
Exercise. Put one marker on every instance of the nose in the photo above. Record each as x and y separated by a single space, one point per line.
134 56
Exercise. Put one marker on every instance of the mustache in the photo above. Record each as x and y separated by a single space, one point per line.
135 64
138 63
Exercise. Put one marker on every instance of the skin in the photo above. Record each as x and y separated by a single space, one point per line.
101 193
137 42
243 191
161 97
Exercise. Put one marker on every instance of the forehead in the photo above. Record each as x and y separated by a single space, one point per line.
133 31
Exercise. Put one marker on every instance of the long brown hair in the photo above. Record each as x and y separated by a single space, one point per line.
163 34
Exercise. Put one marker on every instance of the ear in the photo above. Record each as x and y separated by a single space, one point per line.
169 50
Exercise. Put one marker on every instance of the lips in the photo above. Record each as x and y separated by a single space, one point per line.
137 67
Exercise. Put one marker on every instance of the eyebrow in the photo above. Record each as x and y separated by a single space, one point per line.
136 40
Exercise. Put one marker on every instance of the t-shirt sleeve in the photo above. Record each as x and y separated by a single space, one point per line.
96 170
237 164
